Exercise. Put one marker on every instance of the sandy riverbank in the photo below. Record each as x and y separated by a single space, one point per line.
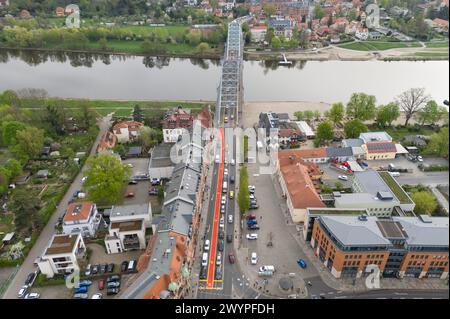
252 110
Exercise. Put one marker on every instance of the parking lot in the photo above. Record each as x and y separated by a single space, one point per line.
140 190
275 226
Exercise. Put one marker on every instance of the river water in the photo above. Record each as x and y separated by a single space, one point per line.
83 75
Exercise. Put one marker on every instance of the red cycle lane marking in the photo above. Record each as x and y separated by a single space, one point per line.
212 256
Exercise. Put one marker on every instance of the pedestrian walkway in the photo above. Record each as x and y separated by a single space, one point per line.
441 199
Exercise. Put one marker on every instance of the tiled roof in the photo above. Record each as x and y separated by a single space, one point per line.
304 153
78 211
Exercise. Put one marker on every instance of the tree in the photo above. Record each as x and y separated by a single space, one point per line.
361 106
439 143
203 47
244 194
138 115
425 202
338 185
103 43
9 130
106 179
309 115
411 101
14 168
30 141
299 116
55 115
87 115
276 42
318 12
10 97
317 115
386 114
269 9
324 132
354 127
431 113
4 180
25 207
336 113
149 137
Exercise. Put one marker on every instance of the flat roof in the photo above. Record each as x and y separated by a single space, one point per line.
305 128
372 183
431 233
128 225
391 229
62 244
396 189
130 210
336 211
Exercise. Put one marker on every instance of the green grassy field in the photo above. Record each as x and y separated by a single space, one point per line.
378 45
431 54
398 133
437 44
119 108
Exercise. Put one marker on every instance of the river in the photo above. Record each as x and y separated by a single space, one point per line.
97 76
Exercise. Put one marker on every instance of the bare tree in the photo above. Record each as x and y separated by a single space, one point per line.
411 102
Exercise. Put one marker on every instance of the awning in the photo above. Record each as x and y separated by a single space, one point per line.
354 166
401 149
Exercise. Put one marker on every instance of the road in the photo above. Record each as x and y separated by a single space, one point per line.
48 231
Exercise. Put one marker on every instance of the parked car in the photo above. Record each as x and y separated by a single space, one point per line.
82 290
251 222
30 279
252 236
254 258
253 206
113 278
229 238
231 258
343 177
80 296
203 273
220 245
94 269
251 217
223 201
124 266
110 268
112 291
206 247
230 219
155 181
33 295
221 234
103 268
253 227
101 284
419 158
113 284
87 272
219 259
22 292
132 182
129 195
218 273
222 209
301 263
85 283
97 296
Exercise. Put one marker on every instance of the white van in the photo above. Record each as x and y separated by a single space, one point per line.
267 268
217 159
225 187
205 259
394 174
131 265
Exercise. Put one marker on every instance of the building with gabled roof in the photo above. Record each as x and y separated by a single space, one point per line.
83 218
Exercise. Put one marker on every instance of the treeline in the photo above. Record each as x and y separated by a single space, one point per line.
82 38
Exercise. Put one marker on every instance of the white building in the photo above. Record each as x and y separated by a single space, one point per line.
127 131
83 218
128 224
61 255
305 129
258 33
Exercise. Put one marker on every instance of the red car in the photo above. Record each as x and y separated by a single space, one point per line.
101 284
129 194
231 258
250 217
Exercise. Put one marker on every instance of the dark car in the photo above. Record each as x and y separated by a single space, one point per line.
203 273
229 238
113 278
112 291
153 191
103 268
113 284
218 273
110 268
221 234
124 266
220 245
231 258
253 227
232 179
94 269
132 182
30 279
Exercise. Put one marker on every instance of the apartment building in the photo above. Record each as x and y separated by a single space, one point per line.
60 256
174 123
127 227
83 218
127 131
352 245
